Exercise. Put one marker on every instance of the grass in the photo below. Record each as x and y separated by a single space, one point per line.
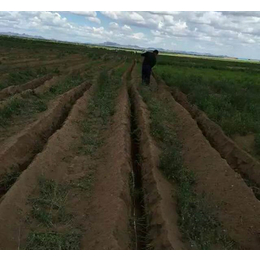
48 207
227 91
21 77
197 220
100 110
21 107
53 241
49 212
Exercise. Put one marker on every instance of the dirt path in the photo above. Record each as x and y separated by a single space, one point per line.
234 202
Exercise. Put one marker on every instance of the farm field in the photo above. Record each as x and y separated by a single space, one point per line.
92 159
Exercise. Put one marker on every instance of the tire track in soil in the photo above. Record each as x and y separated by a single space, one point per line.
238 159
159 194
109 206
235 203
20 150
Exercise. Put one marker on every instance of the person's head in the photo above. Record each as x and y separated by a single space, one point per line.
155 52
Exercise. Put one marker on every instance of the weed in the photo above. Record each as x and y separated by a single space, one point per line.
21 77
227 91
49 206
18 106
53 241
85 183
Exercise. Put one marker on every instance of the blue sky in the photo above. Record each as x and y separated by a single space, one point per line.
222 33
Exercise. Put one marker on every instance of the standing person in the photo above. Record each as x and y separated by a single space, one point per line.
148 63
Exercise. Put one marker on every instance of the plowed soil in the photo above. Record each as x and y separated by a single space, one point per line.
117 196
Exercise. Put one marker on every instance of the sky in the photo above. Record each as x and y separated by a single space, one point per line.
235 34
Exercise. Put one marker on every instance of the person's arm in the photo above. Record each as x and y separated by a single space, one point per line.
144 54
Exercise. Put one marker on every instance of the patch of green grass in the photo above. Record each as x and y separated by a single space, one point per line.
48 207
21 77
85 183
197 220
53 241
21 107
65 85
228 92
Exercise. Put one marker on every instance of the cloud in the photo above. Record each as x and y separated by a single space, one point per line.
126 28
137 36
216 31
113 25
94 20
85 13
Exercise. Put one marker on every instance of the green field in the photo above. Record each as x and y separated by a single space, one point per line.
229 92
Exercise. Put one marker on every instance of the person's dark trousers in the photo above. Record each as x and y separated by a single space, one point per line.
146 73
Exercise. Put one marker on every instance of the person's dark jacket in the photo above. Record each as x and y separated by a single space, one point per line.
149 59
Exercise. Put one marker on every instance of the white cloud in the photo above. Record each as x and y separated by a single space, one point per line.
113 25
85 13
126 28
137 36
94 20
215 31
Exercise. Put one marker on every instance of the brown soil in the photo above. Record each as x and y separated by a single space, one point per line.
20 149
236 157
235 203
160 197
